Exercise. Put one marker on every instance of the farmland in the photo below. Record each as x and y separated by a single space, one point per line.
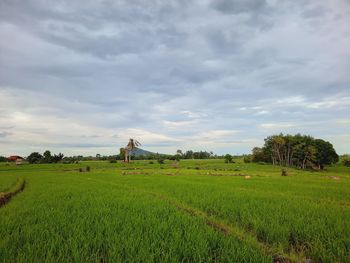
192 211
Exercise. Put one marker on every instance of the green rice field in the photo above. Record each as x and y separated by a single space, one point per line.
191 211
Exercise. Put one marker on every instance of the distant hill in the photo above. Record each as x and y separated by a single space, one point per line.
139 152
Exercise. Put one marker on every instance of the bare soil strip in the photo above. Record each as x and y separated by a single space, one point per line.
5 197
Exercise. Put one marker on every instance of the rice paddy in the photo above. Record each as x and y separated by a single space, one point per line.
191 211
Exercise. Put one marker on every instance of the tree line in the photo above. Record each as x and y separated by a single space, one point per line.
46 157
189 154
301 151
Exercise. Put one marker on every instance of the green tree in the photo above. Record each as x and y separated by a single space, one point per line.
247 158
260 155
188 154
57 158
122 153
47 157
34 157
346 160
228 158
296 150
325 153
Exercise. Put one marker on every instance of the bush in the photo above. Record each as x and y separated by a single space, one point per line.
80 170
113 161
88 168
346 161
228 158
151 162
247 159
284 172
160 161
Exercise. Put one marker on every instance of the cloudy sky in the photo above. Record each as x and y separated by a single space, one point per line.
81 77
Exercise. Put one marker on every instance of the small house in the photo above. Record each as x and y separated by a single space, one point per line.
15 158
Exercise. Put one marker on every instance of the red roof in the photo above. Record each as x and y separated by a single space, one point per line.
14 157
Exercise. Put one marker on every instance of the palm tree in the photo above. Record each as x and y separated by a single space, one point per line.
131 145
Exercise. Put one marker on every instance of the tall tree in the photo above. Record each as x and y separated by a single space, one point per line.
188 154
326 154
47 157
260 155
132 144
296 150
57 158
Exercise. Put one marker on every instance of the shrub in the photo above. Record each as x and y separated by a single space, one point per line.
151 162
88 168
346 161
160 161
113 161
247 159
284 172
228 158
80 169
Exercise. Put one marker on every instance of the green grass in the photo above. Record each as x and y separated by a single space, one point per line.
199 210
7 180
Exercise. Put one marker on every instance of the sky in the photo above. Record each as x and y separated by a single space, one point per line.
82 77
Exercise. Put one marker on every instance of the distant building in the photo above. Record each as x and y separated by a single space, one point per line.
15 158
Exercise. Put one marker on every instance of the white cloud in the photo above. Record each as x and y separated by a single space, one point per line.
295 100
343 121
180 124
280 125
262 112
338 102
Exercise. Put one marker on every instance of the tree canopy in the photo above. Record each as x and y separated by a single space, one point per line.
36 157
298 150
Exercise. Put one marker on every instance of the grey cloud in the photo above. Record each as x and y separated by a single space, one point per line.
104 46
106 29
225 42
4 134
81 145
238 6
315 11
78 72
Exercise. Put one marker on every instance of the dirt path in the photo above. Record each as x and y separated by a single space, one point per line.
5 197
